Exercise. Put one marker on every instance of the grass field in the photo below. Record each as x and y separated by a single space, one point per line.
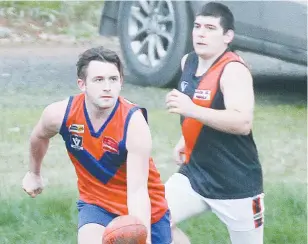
78 19
279 131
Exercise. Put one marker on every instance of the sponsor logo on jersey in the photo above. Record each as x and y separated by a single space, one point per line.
202 94
111 145
76 128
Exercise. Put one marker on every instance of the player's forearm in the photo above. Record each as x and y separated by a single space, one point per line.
38 149
139 205
229 121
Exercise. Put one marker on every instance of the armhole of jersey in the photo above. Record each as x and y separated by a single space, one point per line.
186 69
130 113
68 108
145 114
189 57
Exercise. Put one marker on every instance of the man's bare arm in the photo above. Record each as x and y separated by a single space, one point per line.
48 126
139 146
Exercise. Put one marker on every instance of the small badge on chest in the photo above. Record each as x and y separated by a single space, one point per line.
110 144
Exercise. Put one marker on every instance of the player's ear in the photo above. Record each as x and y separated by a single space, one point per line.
81 84
228 36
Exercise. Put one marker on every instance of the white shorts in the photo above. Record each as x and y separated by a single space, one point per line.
239 215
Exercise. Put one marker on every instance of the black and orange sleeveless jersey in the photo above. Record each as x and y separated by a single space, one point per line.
100 158
219 165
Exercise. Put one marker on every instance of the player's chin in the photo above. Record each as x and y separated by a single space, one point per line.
106 105
201 51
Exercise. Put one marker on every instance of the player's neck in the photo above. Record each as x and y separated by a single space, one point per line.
97 113
204 63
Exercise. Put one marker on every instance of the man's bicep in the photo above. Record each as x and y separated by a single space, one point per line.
137 171
138 135
237 88
49 122
139 145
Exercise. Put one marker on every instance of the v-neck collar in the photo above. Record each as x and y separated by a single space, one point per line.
90 126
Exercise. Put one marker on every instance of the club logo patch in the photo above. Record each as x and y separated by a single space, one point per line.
111 145
183 85
76 142
76 128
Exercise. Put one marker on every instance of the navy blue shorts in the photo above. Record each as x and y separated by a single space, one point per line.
90 213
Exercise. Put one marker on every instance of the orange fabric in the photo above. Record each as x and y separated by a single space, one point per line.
209 85
111 196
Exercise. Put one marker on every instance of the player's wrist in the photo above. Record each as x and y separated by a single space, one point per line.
34 173
193 111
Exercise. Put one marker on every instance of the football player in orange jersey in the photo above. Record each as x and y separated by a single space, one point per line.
109 143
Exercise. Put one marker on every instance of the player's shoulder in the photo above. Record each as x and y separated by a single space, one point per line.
138 124
57 107
236 68
138 133
54 112
127 103
235 74
138 117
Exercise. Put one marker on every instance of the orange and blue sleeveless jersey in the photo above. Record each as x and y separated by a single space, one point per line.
99 158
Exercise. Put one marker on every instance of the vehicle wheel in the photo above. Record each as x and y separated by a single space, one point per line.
154 36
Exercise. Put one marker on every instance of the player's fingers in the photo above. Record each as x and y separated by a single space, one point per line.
33 193
172 104
169 94
38 191
174 91
172 99
30 193
27 190
173 110
173 94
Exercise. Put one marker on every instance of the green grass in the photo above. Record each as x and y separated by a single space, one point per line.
79 19
279 131
56 5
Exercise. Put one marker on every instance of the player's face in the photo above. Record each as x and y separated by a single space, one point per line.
103 84
209 38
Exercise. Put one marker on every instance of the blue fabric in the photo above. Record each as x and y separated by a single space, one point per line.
89 213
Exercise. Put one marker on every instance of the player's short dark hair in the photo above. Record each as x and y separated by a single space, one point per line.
221 11
98 54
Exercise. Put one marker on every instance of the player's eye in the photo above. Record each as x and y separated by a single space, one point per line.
196 26
114 78
210 27
99 79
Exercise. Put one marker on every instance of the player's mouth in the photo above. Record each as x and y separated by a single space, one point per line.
201 44
106 96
